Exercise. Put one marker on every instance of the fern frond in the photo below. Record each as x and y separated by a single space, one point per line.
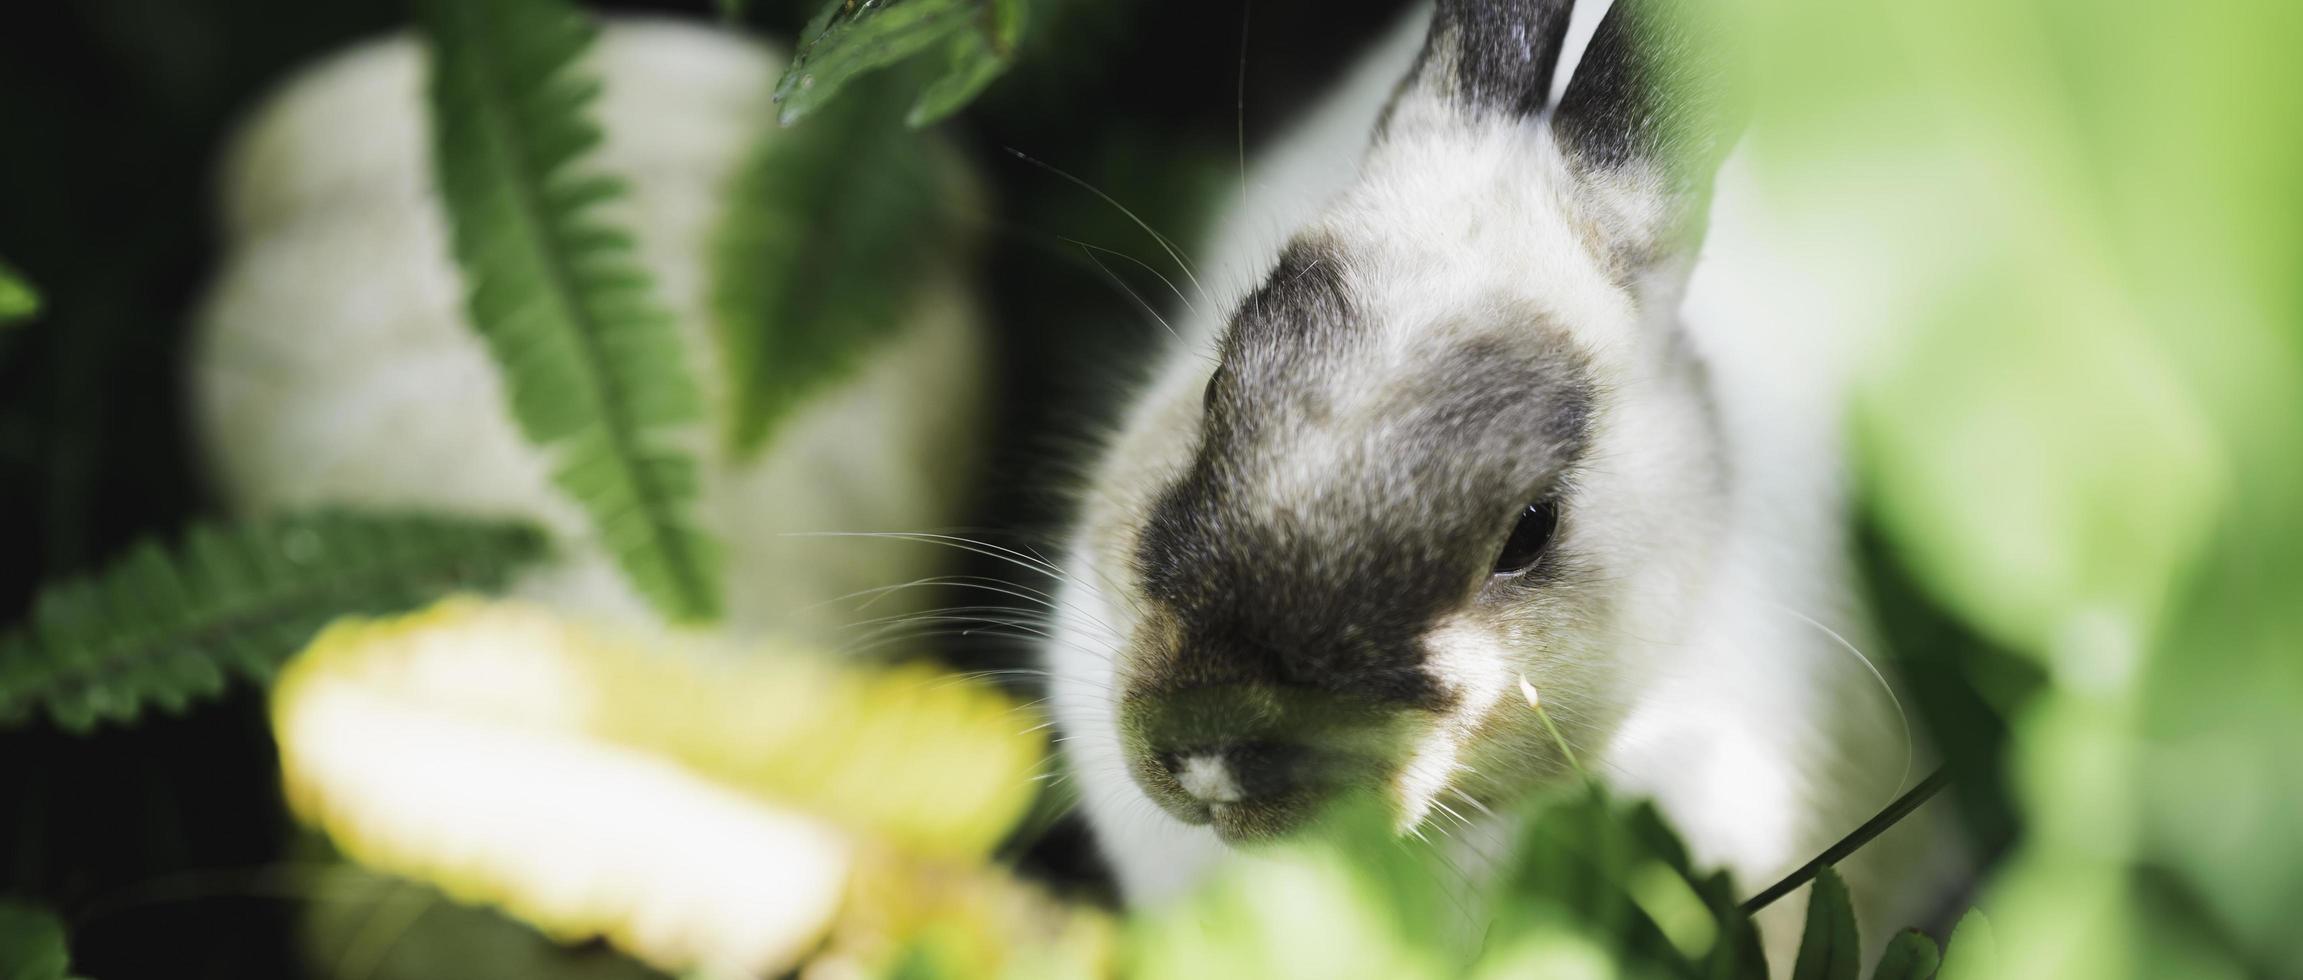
812 264
846 40
973 61
165 627
590 359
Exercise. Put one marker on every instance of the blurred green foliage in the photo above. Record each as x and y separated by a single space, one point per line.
31 944
830 228
2074 221
18 300
369 926
1596 888
1973 953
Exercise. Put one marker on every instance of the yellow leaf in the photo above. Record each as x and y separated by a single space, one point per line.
702 810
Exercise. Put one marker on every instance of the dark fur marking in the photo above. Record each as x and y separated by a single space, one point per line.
1301 308
1648 91
1340 600
1497 54
1302 311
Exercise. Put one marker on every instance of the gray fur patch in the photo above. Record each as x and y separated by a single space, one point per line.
1336 590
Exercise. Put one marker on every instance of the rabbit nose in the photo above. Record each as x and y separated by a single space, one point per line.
1208 778
1244 773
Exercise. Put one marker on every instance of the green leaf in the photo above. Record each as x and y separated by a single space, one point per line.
1345 899
1912 956
31 943
1972 952
849 38
165 627
1830 948
1576 856
813 264
592 363
977 58
1736 955
430 936
1624 878
18 300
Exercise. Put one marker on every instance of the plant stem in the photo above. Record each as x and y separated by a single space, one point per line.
1849 844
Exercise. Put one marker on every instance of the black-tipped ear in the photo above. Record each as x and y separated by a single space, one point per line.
1653 103
1492 55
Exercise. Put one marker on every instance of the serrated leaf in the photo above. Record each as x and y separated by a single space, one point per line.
32 945
1972 953
849 38
165 628
812 266
592 364
18 300
1912 956
976 58
1829 949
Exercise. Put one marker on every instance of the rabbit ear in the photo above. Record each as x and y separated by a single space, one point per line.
1647 119
1491 55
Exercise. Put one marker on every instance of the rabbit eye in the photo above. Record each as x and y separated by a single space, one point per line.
1530 538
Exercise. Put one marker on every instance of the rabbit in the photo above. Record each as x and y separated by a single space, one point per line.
1453 446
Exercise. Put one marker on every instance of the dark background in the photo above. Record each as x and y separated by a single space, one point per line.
166 846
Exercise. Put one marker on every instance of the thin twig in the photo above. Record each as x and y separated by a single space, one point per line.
1849 844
